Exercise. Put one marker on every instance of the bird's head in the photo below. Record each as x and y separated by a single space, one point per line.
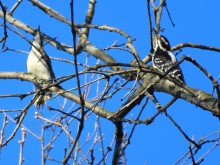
38 42
161 42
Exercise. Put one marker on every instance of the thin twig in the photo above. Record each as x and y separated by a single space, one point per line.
205 154
82 103
134 126
211 78
180 129
14 7
169 15
198 46
150 26
101 140
2 132
23 136
192 155
5 30
162 109
20 120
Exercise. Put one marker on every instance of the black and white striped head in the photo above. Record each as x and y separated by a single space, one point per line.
161 42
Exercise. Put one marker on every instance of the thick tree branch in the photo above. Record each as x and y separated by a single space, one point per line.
57 90
118 142
200 99
97 53
89 16
51 12
158 14
83 42
28 29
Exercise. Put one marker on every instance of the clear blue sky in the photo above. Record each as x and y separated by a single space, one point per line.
157 144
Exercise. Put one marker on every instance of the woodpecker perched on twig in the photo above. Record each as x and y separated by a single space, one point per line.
163 59
39 65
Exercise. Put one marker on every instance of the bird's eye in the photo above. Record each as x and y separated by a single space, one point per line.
162 40
164 43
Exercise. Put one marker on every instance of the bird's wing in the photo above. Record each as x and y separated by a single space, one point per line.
48 62
164 60
38 38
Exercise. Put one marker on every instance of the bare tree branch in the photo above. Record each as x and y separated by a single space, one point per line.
198 46
118 143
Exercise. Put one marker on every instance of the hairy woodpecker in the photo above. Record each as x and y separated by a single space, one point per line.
163 59
39 65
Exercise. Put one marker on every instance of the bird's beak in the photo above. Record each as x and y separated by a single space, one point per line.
157 36
156 33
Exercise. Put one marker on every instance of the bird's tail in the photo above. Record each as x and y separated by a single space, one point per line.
42 98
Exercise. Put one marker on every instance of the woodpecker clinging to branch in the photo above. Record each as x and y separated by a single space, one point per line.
163 59
39 65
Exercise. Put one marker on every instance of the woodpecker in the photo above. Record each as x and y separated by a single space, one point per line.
163 59
39 65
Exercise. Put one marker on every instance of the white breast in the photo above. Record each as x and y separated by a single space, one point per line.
37 66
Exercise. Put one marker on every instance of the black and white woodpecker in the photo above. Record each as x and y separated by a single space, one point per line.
163 59
39 65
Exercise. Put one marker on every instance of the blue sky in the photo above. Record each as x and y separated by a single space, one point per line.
159 143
